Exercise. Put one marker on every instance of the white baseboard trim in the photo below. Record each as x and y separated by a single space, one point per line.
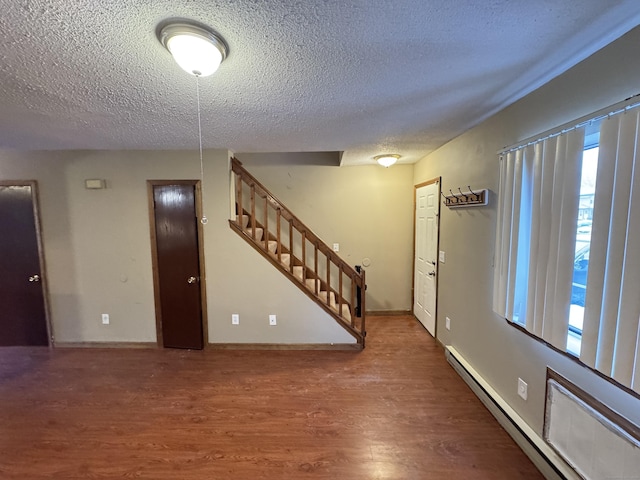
541 454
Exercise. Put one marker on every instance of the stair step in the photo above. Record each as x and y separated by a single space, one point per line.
258 234
285 259
332 298
298 272
273 246
311 284
245 220
346 313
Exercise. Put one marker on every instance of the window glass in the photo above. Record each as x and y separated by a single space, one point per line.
583 243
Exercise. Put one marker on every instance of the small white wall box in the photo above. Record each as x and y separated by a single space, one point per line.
94 184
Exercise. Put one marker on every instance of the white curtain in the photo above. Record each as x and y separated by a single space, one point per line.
611 330
536 231
507 233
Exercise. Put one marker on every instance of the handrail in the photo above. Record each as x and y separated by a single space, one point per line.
238 169
328 290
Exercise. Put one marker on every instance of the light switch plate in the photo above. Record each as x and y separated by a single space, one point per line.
94 184
522 388
441 256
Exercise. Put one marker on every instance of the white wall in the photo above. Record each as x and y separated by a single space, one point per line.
497 350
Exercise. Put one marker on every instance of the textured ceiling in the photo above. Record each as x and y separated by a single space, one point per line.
364 76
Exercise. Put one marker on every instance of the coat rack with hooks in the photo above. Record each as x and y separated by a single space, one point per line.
472 198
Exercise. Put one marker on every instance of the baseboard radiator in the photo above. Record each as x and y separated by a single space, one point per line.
541 454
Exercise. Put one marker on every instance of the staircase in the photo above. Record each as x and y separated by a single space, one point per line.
279 236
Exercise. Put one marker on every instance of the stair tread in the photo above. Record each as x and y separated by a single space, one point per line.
346 313
245 220
298 272
258 233
332 298
285 259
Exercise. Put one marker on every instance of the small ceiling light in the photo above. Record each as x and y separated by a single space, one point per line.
386 160
198 51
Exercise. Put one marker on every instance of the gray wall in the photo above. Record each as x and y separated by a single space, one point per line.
498 351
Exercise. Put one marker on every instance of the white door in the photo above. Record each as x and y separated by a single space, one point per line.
426 254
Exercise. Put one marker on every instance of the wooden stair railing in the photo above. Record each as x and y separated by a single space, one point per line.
274 231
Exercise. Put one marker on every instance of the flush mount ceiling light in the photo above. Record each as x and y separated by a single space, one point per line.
386 160
197 50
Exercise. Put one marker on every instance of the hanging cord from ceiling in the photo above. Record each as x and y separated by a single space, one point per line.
204 218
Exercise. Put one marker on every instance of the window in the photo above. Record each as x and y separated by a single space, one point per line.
567 257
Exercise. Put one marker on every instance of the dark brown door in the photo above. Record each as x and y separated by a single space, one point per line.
22 311
178 266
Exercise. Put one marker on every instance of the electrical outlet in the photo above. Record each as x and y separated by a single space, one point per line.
105 319
447 323
235 319
522 388
272 320
441 256
336 247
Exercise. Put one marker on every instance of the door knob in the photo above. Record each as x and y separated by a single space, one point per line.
432 274
34 278
192 280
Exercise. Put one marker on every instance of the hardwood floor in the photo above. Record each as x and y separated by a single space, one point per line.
396 410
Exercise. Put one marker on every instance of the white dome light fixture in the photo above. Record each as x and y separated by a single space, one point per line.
386 160
197 50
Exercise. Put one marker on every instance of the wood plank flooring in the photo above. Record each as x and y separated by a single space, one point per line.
396 410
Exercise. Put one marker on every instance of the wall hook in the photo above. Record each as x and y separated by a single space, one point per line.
466 199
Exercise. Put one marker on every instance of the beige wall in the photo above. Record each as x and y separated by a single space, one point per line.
497 350
98 255
368 210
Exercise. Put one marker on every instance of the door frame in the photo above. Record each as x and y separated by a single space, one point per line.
41 260
437 180
154 256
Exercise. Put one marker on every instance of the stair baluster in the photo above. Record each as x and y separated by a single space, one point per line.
278 234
